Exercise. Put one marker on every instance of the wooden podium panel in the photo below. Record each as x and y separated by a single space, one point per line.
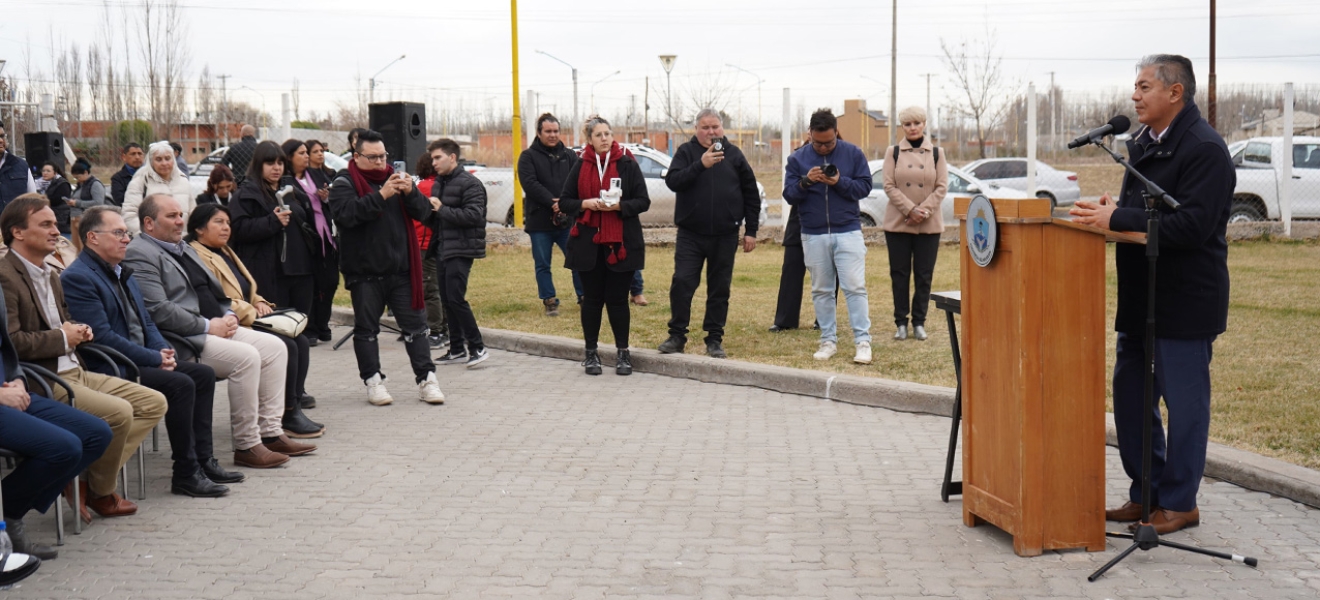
1034 380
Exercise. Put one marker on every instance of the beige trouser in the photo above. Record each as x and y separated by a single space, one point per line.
255 365
131 411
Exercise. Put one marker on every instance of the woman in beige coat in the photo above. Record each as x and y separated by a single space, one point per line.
916 184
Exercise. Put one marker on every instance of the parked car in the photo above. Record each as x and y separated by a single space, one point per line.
961 185
1256 196
654 164
1059 186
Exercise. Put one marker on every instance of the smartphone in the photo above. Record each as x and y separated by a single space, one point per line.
400 166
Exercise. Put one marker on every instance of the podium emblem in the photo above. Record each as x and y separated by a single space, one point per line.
984 230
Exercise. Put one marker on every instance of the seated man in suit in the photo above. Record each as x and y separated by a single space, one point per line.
103 295
41 334
55 441
185 299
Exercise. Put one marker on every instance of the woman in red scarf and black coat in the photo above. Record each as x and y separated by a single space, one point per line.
606 189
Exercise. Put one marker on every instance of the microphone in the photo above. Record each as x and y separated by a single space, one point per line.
284 191
1118 124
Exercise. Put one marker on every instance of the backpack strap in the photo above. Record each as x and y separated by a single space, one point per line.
935 149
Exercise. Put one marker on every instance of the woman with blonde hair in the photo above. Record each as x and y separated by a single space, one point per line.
916 180
164 177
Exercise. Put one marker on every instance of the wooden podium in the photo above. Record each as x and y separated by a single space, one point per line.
1033 351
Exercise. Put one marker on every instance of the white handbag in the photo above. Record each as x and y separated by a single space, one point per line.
286 322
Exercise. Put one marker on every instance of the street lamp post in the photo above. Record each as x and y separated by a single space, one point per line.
371 83
759 81
593 88
264 122
577 126
667 61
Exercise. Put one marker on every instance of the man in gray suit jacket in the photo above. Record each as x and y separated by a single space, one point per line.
183 297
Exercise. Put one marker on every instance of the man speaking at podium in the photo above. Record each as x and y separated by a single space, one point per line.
1182 153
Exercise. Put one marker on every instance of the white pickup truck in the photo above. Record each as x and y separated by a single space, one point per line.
1256 196
654 163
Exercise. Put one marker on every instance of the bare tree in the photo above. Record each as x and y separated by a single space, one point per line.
977 75
205 98
707 90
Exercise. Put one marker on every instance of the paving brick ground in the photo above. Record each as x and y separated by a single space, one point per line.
535 481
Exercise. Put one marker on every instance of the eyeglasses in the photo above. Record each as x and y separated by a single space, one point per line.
823 144
122 234
375 157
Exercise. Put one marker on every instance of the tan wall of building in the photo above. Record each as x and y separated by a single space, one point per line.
865 131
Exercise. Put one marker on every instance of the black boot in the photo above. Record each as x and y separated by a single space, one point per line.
297 425
623 366
212 470
22 545
197 485
715 349
592 363
673 345
307 401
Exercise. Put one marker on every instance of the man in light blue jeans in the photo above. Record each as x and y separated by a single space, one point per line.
825 180
543 245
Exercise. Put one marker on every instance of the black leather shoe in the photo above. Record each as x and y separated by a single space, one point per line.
673 345
297 425
197 486
325 336
623 365
777 329
312 342
307 401
22 545
212 470
715 349
592 363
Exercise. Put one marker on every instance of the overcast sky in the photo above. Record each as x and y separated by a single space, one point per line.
459 52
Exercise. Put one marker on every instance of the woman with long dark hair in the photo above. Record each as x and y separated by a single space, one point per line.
268 229
605 245
58 192
208 233
325 262
220 186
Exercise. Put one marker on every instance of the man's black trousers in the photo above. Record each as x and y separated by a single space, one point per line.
453 274
691 252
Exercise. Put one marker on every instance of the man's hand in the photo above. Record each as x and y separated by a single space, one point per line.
223 326
1092 213
435 203
263 309
76 333
14 395
554 204
407 184
283 215
711 158
831 180
816 175
749 243
390 188
167 360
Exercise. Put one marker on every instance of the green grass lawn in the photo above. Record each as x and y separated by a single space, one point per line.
1266 372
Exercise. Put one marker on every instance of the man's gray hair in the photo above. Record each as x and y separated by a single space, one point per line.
94 218
708 112
1171 69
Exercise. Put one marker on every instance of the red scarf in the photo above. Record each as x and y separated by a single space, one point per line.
362 182
608 224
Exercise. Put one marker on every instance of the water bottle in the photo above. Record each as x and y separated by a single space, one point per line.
6 546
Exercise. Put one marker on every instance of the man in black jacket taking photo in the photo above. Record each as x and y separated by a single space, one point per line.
460 238
542 170
382 264
715 192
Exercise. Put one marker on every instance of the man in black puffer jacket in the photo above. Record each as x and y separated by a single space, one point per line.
542 170
381 263
715 192
460 238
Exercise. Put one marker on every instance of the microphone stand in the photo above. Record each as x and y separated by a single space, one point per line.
1145 538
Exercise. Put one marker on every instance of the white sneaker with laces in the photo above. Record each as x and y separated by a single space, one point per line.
428 390
863 356
920 333
377 395
827 350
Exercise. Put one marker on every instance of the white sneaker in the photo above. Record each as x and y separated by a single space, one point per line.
863 356
827 350
428 390
377 395
920 333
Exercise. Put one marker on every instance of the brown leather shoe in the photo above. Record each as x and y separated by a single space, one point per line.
1129 512
1168 521
284 445
639 300
113 505
259 457
83 513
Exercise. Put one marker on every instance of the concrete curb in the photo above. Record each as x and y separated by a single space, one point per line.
1232 465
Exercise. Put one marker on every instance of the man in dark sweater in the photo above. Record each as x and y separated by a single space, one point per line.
382 264
459 200
133 156
541 171
715 192
1182 153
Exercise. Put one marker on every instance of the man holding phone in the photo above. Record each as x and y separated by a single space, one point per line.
382 264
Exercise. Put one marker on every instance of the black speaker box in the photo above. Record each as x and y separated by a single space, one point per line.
45 147
403 125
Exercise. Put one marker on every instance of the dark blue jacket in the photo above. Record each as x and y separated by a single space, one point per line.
89 292
14 176
828 208
1192 164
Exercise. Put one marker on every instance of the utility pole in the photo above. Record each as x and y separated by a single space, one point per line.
667 61
577 124
1054 133
646 111
224 99
759 81
517 118
1212 98
928 111
893 79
